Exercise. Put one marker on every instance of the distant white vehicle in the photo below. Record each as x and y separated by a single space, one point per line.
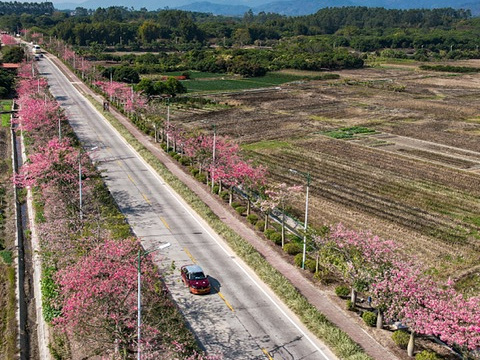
36 49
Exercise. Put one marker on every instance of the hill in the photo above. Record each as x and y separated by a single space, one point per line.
290 8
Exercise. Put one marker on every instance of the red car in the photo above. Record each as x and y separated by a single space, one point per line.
195 279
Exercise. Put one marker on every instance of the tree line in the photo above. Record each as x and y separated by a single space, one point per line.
120 26
15 7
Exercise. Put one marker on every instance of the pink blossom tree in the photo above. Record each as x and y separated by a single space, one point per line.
409 295
135 102
117 92
225 165
252 183
30 87
84 66
56 166
99 303
37 37
8 40
278 196
39 117
200 150
359 257
68 55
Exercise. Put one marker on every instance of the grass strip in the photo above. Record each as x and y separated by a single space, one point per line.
337 340
6 105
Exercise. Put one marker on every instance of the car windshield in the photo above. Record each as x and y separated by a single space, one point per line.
197 276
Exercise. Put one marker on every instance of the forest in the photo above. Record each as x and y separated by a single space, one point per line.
252 45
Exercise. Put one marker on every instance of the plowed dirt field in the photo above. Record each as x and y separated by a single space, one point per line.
415 180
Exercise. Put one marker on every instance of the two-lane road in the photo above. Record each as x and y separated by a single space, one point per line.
241 318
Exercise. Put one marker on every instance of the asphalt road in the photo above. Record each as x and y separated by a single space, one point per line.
241 318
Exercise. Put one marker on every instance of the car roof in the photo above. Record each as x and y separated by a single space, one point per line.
193 268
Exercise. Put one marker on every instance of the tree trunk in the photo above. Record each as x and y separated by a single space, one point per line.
411 344
283 230
230 197
248 206
266 222
380 319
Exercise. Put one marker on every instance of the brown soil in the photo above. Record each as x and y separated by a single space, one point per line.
416 180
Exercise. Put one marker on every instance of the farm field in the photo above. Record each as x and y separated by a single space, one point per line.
204 82
415 178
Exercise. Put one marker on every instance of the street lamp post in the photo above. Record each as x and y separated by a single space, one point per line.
80 183
168 124
213 152
214 126
307 177
141 255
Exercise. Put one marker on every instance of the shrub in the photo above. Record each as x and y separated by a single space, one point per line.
342 291
184 160
276 226
294 238
426 355
370 318
176 156
276 237
201 177
297 259
350 305
260 225
6 256
326 77
322 275
268 233
172 153
252 219
194 171
310 265
224 195
401 338
240 209
294 249
216 188
236 204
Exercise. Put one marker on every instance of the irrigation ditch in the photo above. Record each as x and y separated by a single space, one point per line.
26 309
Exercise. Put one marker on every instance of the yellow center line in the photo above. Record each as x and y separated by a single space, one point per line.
224 300
165 222
190 255
266 353
146 198
130 178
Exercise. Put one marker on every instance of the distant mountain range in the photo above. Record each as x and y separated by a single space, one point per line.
291 8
